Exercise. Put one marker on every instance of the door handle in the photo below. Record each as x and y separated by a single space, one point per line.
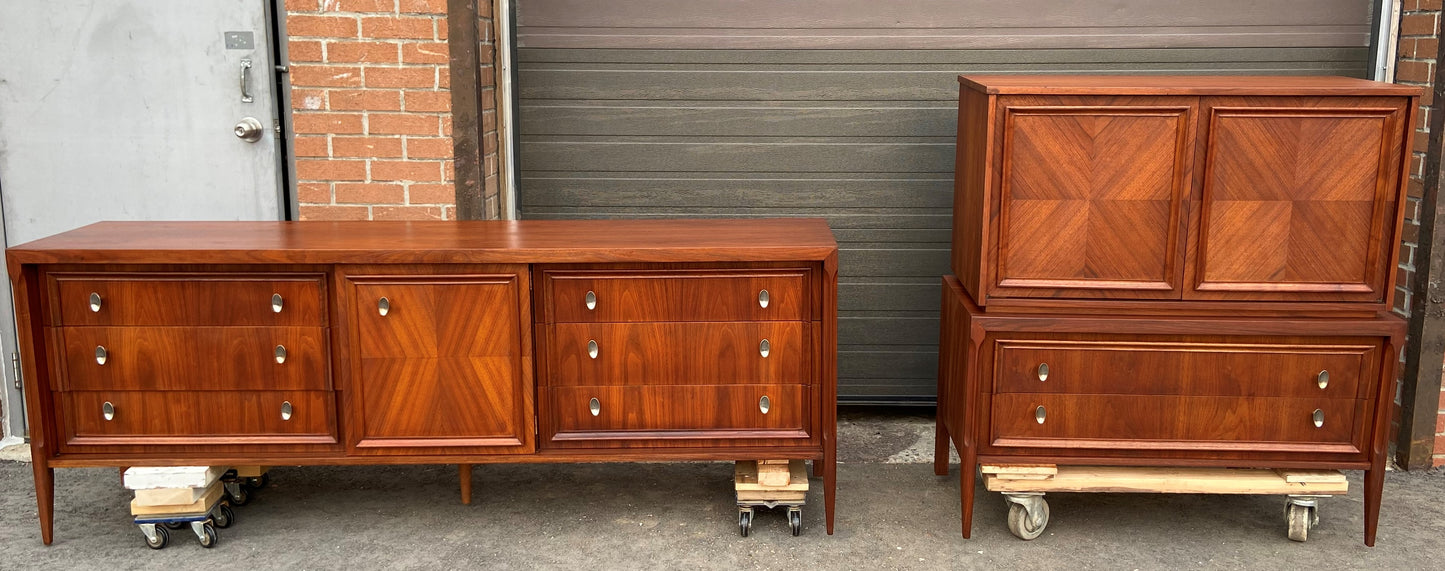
246 81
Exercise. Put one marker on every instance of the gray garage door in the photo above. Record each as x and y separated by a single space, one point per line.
845 109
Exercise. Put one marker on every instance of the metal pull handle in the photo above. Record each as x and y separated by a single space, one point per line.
95 302
280 354
765 404
594 406
765 348
107 410
763 299
383 306
1043 372
246 81
1323 379
1040 414
1319 418
592 348
100 354
591 299
276 303
286 410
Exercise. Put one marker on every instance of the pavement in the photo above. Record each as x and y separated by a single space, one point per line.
893 513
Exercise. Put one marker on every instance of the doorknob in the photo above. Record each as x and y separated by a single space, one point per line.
249 130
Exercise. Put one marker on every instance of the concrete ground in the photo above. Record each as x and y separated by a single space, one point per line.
893 513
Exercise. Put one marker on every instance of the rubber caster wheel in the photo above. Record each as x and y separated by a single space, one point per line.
208 535
257 482
240 496
225 516
745 523
795 522
1023 526
161 539
1301 519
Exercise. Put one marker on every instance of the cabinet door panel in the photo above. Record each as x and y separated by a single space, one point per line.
1091 196
439 363
1298 200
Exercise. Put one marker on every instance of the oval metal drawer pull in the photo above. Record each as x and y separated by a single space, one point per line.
763 299
383 306
276 303
286 410
280 354
107 410
100 354
1040 414
1319 418
765 404
595 406
765 348
592 348
1043 372
591 299
95 302
1323 379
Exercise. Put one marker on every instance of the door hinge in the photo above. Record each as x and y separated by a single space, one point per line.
15 367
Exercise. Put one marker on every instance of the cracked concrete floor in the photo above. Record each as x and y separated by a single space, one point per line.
893 513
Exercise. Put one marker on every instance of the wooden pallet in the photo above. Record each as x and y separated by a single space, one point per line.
1048 478
198 507
750 487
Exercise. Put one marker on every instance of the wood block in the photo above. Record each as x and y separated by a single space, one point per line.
145 478
1165 481
771 496
1031 469
213 493
784 462
774 475
169 496
745 477
251 471
1022 476
1311 476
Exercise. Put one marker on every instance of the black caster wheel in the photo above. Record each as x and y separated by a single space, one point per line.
175 524
745 522
162 538
795 522
257 482
240 496
225 516
208 535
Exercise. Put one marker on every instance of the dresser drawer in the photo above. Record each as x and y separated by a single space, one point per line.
198 417
190 299
726 412
679 353
1177 422
678 295
195 358
1145 367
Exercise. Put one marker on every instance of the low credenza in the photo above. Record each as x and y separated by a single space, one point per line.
315 343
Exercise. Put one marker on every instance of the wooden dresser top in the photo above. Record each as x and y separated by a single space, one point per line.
364 242
1182 85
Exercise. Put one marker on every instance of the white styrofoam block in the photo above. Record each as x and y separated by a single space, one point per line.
148 478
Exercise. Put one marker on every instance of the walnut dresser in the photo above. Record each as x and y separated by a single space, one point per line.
1174 271
303 343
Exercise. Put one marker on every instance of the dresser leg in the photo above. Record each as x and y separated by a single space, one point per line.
1374 491
464 473
45 499
830 486
967 474
940 445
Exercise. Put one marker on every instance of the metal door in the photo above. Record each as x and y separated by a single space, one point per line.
132 110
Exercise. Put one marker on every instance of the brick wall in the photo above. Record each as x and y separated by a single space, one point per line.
371 109
1418 47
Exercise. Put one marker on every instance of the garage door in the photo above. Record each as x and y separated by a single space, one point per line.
845 109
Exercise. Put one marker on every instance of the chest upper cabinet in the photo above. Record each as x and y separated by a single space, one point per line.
1130 191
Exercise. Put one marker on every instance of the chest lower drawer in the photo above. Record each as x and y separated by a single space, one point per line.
1177 422
190 299
198 417
195 358
678 295
741 413
679 353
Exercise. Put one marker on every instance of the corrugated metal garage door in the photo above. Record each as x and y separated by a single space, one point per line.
846 109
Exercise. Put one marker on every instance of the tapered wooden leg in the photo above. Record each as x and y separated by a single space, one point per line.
830 484
940 445
464 473
1374 492
967 473
45 499
122 476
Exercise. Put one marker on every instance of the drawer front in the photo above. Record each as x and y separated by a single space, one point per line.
199 417
678 353
641 414
196 358
191 299
1201 369
1176 422
679 295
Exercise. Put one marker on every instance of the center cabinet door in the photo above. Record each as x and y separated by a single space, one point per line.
1091 195
440 360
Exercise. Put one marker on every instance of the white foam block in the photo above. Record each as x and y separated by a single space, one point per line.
150 478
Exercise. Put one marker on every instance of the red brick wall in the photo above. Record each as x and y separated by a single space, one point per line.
1415 65
371 109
